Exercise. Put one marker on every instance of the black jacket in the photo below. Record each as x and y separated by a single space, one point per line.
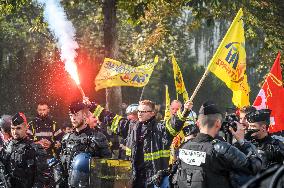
270 178
25 163
271 149
148 143
87 140
207 162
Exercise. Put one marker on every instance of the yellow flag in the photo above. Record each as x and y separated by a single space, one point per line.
168 104
229 62
180 87
114 73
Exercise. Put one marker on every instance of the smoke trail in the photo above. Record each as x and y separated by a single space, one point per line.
64 33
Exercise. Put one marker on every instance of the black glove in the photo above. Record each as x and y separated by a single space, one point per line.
249 132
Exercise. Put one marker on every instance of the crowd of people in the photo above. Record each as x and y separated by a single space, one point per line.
187 149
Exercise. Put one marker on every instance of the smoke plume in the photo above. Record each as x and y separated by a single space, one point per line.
64 33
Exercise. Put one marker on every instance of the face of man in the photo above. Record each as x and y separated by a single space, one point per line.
42 110
259 126
78 119
91 120
123 105
175 106
132 117
145 112
243 120
18 132
67 130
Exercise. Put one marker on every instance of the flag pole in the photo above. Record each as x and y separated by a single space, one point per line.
142 92
215 55
199 84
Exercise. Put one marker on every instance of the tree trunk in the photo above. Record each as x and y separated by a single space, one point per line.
113 95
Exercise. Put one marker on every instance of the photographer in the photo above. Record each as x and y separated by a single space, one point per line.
228 123
238 116
207 162
242 114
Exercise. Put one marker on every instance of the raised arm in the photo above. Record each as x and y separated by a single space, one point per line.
117 123
176 122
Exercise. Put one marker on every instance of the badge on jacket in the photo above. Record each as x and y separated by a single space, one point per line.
191 157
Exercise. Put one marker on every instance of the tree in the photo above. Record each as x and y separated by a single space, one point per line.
142 30
113 95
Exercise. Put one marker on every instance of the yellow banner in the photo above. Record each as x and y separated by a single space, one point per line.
180 87
114 73
168 104
229 62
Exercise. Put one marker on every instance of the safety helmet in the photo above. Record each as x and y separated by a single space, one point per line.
133 108
191 118
80 170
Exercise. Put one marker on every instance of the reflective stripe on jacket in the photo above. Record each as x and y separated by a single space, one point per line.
157 139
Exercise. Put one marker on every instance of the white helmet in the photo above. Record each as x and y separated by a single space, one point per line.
133 108
191 118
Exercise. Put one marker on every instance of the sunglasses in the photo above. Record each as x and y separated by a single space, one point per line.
143 112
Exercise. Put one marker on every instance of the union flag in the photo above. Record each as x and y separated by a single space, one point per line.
271 96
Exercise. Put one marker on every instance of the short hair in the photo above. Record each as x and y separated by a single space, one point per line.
176 101
43 103
247 109
208 120
149 103
66 124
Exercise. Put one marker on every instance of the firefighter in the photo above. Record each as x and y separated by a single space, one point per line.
44 129
148 141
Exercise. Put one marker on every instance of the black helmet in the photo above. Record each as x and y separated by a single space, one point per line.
209 107
259 115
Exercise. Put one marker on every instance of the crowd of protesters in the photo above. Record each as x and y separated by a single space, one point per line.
188 149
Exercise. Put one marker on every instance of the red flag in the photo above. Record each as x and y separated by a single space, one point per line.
271 96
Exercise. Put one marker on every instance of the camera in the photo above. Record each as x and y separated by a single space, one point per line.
190 130
230 121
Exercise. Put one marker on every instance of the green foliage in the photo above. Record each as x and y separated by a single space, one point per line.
145 28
